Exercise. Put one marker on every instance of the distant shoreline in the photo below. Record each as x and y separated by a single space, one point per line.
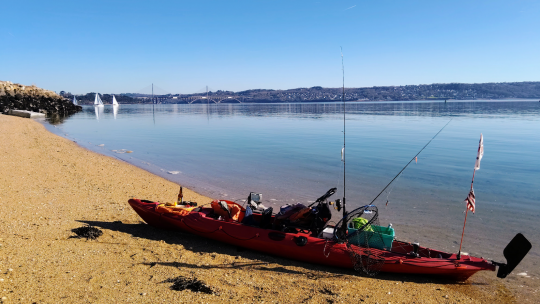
436 91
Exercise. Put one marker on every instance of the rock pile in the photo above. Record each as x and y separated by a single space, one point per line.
31 98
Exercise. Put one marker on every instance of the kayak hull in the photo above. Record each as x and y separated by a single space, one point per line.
316 250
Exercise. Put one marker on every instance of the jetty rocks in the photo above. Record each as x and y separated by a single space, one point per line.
15 96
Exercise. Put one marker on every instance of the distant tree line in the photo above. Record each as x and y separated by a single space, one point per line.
457 91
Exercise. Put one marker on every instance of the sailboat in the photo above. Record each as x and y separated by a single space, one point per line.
355 242
97 101
114 102
75 101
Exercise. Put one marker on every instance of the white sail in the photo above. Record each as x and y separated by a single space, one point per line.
75 101
114 102
97 101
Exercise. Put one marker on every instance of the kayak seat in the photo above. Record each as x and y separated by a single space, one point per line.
312 219
266 218
249 219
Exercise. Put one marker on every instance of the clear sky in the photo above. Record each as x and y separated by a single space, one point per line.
182 46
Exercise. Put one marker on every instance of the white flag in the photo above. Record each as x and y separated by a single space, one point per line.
480 153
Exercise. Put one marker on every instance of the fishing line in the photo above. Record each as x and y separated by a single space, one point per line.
414 157
391 189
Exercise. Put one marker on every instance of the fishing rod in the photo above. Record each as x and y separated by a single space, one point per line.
410 162
343 150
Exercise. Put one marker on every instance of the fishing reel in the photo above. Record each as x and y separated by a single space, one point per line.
339 204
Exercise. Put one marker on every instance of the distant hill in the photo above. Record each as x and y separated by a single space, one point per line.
436 91
459 91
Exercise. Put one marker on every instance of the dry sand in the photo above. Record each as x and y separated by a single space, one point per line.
49 186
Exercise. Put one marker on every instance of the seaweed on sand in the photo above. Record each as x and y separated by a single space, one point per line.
88 232
182 283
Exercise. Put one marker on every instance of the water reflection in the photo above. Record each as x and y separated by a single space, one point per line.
115 110
355 110
320 110
99 111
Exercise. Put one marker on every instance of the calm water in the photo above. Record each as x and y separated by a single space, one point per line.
291 153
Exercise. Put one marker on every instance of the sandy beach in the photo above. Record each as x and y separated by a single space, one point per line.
49 186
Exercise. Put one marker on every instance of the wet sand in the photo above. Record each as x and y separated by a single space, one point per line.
49 186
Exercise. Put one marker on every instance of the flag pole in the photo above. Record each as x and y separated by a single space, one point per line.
470 200
466 212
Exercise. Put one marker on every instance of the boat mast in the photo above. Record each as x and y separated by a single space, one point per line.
343 151
153 111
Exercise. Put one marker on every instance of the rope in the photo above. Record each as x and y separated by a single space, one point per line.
196 229
256 235
324 250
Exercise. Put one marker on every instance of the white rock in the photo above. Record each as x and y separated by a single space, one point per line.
522 274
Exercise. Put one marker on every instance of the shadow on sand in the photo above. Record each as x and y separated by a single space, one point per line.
260 261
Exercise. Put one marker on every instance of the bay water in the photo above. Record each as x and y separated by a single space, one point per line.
292 153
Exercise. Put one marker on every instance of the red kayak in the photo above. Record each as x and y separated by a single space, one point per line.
305 246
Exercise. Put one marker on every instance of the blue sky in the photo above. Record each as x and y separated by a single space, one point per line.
182 46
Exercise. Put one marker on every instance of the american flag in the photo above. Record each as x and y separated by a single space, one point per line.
470 200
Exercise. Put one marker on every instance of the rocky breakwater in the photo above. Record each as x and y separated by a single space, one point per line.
15 96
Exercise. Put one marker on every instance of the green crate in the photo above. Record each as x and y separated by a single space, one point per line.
387 235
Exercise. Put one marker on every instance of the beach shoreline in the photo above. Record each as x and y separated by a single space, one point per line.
50 185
